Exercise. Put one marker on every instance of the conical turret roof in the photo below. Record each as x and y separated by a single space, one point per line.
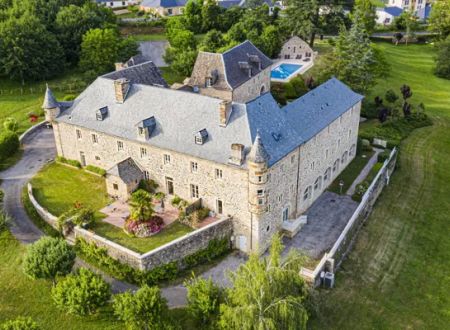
49 100
258 153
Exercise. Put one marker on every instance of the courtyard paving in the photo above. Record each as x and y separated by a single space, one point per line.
327 217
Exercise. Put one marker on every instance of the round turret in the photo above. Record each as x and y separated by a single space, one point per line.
51 106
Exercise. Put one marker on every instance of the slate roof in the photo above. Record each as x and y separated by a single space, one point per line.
136 60
145 73
49 100
240 53
394 11
230 3
163 3
258 153
180 115
128 170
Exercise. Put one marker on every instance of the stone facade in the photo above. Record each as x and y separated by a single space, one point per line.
296 49
253 88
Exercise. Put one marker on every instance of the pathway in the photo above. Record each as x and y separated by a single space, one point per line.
365 171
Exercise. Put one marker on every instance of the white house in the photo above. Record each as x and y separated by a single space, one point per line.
116 3
387 15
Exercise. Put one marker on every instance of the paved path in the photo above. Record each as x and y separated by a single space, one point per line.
154 51
365 171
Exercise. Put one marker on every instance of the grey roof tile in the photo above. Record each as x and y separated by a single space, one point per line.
145 73
128 170
49 100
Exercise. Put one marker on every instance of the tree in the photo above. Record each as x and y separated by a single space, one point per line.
204 299
144 310
443 59
267 293
20 323
193 15
181 62
212 41
81 293
211 15
48 258
28 51
439 20
390 96
101 48
252 4
365 14
271 41
141 205
182 39
9 143
406 93
301 18
11 124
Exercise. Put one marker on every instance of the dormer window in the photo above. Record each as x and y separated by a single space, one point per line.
102 113
201 136
146 128
208 82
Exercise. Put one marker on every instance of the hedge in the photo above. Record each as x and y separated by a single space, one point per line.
95 169
99 257
9 143
71 162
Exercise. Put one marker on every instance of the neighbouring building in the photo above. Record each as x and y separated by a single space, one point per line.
116 3
296 49
387 15
222 138
163 7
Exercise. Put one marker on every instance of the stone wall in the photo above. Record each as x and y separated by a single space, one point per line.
252 88
44 214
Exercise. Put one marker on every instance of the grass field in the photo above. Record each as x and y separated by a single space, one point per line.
397 275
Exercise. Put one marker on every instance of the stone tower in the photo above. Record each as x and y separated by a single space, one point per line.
51 106
257 161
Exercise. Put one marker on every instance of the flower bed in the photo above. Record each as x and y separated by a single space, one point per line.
144 228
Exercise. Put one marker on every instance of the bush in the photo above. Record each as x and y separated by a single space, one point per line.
365 145
442 59
9 143
2 195
72 162
148 185
360 190
82 293
48 257
4 220
382 156
204 299
359 147
176 200
10 124
369 109
99 257
160 196
95 169
21 323
146 309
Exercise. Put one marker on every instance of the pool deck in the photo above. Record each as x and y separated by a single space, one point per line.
306 65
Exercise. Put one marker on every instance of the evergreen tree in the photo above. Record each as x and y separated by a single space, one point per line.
443 59
439 20
365 14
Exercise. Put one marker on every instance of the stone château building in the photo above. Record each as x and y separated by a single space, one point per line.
222 138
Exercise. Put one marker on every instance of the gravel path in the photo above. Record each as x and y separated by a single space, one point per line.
365 171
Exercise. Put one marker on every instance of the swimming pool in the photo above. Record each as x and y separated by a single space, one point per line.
284 70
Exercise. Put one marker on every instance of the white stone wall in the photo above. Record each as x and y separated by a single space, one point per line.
251 89
295 47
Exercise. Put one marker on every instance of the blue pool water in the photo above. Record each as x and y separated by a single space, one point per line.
284 70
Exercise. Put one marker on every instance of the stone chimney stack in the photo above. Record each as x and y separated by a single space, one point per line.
119 66
121 88
237 154
224 113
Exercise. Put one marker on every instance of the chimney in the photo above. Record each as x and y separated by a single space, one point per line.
121 87
224 113
237 154
119 66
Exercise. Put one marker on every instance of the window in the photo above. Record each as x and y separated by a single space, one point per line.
79 134
318 183
336 165
352 150
259 178
307 193
286 214
94 138
194 191
349 133
326 176
260 192
339 143
292 159
312 165
268 228
344 157
166 159
146 175
194 167
97 158
208 82
115 186
326 154
141 131
218 173
119 145
169 11
219 207
260 201
143 152
280 197
268 208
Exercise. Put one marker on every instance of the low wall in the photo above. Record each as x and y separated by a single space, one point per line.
175 250
332 260
31 130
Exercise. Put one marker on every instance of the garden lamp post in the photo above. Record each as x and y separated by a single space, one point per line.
341 185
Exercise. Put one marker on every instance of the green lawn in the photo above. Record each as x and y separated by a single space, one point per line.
150 37
397 275
58 187
141 245
21 296
351 172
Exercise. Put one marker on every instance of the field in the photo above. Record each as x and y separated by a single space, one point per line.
397 275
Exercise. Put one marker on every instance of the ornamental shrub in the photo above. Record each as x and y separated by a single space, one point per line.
4 220
9 143
10 124
71 162
20 323
382 156
95 169
146 309
48 258
204 298
81 293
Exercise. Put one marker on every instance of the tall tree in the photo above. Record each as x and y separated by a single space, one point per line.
364 13
443 59
267 293
212 41
211 15
193 15
28 51
440 18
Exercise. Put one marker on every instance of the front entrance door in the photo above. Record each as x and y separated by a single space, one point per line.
169 186
242 243
285 214
82 158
